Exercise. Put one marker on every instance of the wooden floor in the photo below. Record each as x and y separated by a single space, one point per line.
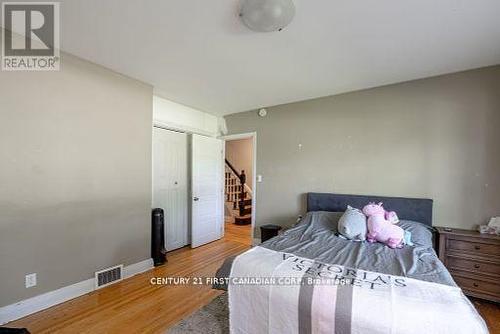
490 312
136 306
238 233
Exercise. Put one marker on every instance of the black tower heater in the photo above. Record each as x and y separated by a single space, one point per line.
158 251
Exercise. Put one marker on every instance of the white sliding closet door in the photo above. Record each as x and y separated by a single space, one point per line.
207 215
170 184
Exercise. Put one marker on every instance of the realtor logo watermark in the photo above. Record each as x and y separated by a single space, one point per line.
30 40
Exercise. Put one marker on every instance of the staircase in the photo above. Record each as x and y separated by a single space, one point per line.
237 197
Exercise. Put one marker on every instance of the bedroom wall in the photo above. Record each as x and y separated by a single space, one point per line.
437 138
75 177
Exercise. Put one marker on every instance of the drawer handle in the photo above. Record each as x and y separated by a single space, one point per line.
475 284
476 266
477 247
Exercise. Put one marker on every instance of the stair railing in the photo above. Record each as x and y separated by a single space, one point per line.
242 178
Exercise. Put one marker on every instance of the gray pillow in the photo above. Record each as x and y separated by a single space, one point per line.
322 220
352 224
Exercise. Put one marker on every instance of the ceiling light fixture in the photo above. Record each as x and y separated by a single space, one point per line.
267 15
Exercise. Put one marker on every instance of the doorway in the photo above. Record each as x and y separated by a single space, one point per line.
240 187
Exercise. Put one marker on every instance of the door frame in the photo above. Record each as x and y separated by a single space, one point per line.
247 135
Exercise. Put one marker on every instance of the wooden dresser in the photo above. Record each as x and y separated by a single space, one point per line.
473 260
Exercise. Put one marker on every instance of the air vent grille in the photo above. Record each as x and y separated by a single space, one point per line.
108 276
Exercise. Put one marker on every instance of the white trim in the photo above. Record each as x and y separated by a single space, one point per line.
137 268
35 304
182 128
252 135
41 302
223 161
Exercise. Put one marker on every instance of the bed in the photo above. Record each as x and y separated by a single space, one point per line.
312 249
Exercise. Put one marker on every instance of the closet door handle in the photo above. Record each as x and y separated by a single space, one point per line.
196 199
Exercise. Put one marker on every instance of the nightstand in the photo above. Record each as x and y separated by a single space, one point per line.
473 260
268 231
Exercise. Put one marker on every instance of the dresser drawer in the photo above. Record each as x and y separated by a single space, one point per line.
473 247
473 260
474 266
477 285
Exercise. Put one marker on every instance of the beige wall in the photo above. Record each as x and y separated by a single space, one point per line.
240 153
75 175
436 138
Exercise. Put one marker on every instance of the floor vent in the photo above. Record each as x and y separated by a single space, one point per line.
108 276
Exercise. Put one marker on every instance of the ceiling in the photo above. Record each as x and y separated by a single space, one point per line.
196 52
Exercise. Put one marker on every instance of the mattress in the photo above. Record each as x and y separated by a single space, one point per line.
316 238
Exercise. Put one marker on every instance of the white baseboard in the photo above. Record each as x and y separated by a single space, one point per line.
137 268
35 304
41 302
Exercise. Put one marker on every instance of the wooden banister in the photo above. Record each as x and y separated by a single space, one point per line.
242 178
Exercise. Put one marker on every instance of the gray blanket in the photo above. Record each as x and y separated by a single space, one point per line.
315 237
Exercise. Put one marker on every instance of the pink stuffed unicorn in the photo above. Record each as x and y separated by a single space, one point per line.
380 229
392 217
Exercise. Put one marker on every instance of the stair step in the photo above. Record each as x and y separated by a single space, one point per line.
243 220
248 202
234 200
247 211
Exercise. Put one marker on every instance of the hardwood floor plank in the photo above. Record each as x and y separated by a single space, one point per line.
490 311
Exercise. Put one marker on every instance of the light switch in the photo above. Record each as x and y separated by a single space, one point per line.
30 280
259 178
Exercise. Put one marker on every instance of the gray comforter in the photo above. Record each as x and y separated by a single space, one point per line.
315 238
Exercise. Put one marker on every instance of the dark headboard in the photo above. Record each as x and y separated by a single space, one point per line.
416 209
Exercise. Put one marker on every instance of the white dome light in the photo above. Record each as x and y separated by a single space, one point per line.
267 15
